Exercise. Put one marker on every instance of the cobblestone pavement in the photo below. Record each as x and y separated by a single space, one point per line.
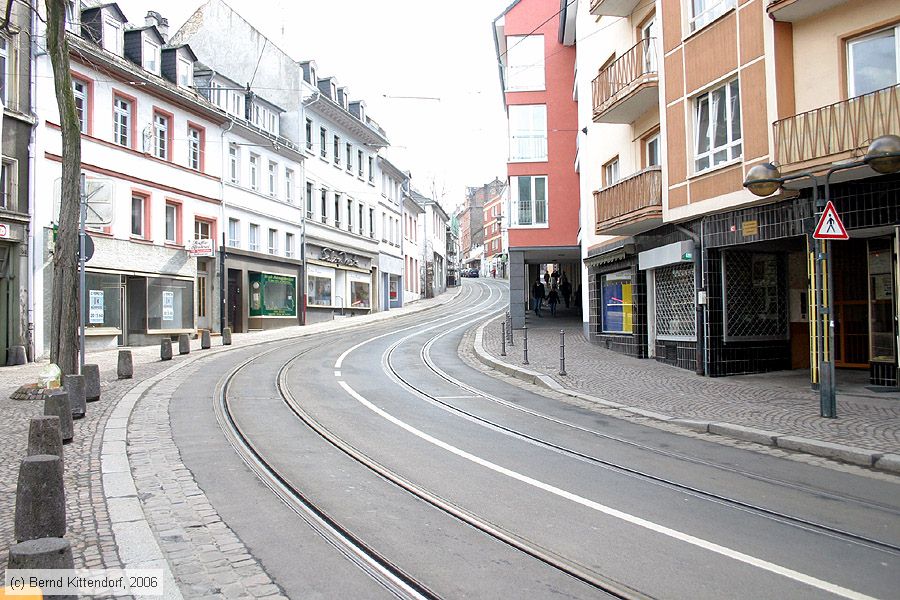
207 559
773 402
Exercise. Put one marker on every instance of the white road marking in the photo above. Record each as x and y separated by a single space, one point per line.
662 529
337 373
456 397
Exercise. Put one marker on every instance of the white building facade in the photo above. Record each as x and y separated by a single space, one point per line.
413 249
390 248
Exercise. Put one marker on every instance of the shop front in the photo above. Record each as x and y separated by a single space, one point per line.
338 284
617 296
263 292
13 287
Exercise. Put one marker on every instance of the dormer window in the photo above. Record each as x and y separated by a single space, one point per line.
312 77
73 18
185 73
151 57
333 91
112 36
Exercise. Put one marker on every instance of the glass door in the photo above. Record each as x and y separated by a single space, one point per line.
882 296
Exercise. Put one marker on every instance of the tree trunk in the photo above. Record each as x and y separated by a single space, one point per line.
66 307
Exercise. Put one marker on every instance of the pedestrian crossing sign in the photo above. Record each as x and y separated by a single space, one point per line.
830 226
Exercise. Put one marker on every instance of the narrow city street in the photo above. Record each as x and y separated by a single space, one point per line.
374 461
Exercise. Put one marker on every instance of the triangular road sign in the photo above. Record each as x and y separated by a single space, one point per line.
830 226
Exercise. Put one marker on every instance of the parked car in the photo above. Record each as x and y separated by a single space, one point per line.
472 273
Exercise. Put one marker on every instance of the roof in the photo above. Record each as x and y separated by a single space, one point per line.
111 5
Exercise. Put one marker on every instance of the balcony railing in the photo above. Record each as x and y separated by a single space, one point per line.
630 206
837 131
632 72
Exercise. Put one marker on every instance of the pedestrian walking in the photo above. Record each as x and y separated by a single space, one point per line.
555 277
553 300
547 278
537 297
566 290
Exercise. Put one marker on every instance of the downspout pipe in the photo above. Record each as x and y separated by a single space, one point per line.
700 317
223 322
32 258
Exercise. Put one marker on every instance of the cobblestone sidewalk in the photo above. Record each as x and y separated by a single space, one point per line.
774 405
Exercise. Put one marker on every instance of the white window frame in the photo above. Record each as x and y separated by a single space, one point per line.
234 162
733 147
527 133
83 97
611 172
703 12
150 63
514 198
112 36
653 139
254 171
9 170
288 245
851 78
195 147
143 207
185 72
6 68
521 58
174 223
234 233
161 124
273 178
273 241
289 185
122 115
253 237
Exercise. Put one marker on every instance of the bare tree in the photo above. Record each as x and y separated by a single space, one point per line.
66 307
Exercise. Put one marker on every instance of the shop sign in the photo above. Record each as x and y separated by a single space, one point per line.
339 257
168 306
749 228
96 307
272 295
5 231
199 248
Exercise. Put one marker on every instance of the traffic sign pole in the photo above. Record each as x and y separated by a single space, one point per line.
82 209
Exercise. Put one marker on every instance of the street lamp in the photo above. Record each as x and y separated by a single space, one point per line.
883 156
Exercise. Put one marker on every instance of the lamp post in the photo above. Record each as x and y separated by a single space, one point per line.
883 156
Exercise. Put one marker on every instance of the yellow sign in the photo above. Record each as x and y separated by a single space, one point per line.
749 228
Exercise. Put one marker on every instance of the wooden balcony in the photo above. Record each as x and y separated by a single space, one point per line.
628 87
630 206
836 132
613 8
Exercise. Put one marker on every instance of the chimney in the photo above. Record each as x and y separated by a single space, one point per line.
161 23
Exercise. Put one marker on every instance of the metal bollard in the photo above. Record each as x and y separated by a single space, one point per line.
562 352
525 343
503 339
509 328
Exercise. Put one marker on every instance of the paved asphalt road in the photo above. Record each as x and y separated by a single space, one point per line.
614 500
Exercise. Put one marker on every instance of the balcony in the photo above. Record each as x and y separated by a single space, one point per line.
836 132
629 87
630 206
797 10
613 8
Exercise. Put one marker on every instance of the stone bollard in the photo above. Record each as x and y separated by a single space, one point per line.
184 344
91 382
15 355
165 349
43 553
205 342
40 499
125 368
226 336
74 384
44 436
56 403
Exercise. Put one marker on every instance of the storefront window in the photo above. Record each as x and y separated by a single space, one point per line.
756 305
272 295
674 302
319 291
617 310
170 303
359 294
103 297
881 301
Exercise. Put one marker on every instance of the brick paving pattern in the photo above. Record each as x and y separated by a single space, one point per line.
761 402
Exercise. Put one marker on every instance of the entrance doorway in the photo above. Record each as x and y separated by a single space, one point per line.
851 310
235 300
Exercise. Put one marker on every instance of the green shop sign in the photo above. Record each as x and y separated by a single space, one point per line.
272 295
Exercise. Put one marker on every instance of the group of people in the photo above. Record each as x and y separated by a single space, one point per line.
560 286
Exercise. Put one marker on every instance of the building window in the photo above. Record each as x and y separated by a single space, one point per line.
273 178
704 12
151 57
372 223
195 148
81 91
122 121
309 141
651 151
234 233
718 126
138 205
359 163
323 140
359 294
337 210
349 149
234 163
289 245
611 172
289 185
253 237
324 205
384 227
676 314
202 229
617 310
8 184
173 223
185 73
872 61
309 200
7 72
360 221
530 199
112 37
273 241
318 290
371 169
524 63
527 132
160 136
349 214
254 171
756 298
337 150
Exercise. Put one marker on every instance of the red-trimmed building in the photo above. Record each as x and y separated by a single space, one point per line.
535 47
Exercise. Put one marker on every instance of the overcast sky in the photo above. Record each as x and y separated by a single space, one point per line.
385 50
